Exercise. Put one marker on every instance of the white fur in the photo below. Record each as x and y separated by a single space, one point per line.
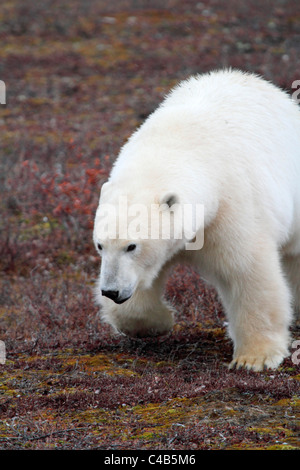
231 141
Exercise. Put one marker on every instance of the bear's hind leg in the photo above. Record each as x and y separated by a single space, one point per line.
291 266
259 311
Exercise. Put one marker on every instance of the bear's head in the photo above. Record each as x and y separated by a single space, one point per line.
136 235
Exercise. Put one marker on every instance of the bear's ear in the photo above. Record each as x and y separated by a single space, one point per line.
104 193
169 199
105 187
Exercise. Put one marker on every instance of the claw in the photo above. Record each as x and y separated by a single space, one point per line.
255 364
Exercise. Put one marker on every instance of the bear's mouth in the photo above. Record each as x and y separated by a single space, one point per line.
115 296
121 301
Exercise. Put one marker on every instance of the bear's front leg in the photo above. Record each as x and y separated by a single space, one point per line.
259 312
144 314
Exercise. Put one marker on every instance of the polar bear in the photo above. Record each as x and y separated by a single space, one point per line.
227 141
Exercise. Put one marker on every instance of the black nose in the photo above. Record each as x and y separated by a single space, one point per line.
111 294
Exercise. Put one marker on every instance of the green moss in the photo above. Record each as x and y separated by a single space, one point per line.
281 447
41 228
103 363
271 430
293 402
159 417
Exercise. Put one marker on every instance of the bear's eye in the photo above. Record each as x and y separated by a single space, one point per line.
99 246
131 247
